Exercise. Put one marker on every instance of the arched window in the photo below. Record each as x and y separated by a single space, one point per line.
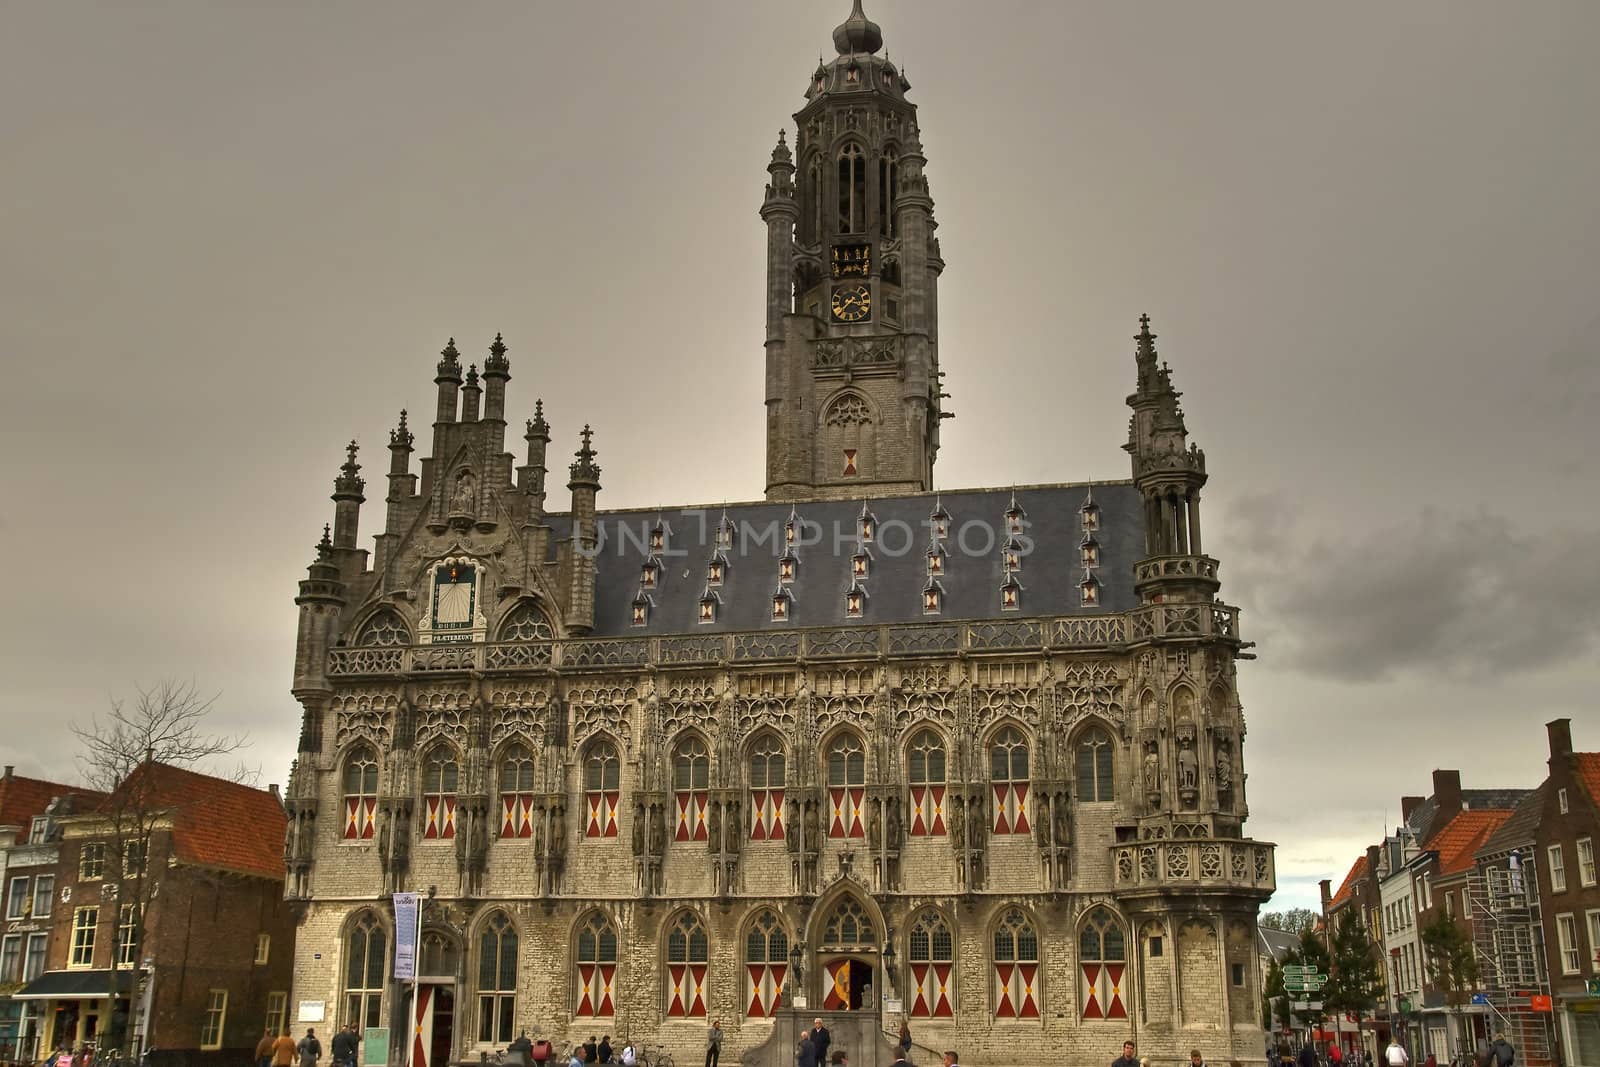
852 190
516 791
1102 955
687 952
925 771
766 788
602 775
931 956
811 194
437 956
526 622
366 952
849 931
1008 776
497 980
691 774
1016 967
360 794
383 629
847 782
441 776
849 927
597 967
766 959
1095 766
888 190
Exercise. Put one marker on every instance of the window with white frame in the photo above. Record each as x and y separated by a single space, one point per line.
133 857
1592 917
1567 940
1427 891
84 923
33 966
92 861
263 948
10 957
1450 905
127 935
216 1016
44 891
39 830
1558 869
277 1009
1561 801
1586 863
17 898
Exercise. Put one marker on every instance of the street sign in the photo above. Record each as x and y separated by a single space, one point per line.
1299 968
1306 1005
1480 998
1594 987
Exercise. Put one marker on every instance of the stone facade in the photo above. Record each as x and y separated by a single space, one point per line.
653 769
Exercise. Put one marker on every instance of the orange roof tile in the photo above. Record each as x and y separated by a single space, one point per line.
23 798
1358 871
215 823
1589 774
1457 840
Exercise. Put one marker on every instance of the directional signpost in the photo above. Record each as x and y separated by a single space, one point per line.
1303 978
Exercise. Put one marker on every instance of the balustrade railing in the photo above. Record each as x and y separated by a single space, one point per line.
1189 862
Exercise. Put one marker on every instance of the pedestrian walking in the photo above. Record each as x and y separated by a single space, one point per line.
264 1048
1505 1054
714 1043
805 1051
283 1050
310 1049
905 1039
1395 1055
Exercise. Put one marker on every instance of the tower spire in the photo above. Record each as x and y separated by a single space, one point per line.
857 34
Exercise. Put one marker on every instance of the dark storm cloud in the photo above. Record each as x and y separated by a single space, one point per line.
1366 597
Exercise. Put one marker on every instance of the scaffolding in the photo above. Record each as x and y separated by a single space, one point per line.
1508 941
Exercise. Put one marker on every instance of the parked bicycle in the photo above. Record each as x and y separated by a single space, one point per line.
655 1056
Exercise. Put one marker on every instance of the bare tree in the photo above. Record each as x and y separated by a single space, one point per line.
118 756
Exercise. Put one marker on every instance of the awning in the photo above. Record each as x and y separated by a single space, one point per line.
67 985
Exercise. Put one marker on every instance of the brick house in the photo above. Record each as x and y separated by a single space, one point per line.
212 967
1361 892
30 810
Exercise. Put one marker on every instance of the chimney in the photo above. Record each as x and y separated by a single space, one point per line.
1447 794
273 789
1325 887
10 768
1408 807
1373 854
1558 730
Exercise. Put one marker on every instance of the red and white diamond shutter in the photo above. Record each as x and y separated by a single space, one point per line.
691 773
601 789
766 788
847 792
1008 776
1016 967
766 964
837 978
1102 959
925 771
930 954
441 775
686 968
360 794
597 968
516 792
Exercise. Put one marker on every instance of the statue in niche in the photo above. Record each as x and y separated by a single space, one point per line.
464 497
638 830
1188 765
813 837
874 826
1152 768
731 830
1062 829
958 823
895 838
658 830
714 826
385 834
1041 821
792 828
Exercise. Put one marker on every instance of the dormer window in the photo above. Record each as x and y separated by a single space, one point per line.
1090 588
716 569
855 602
791 529
860 564
658 537
787 565
650 573
939 522
932 598
1090 513
1014 517
1011 555
867 525
852 75
641 609
1090 551
725 532
709 602
782 602
936 561
1011 594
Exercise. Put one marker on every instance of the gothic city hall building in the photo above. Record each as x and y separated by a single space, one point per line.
968 759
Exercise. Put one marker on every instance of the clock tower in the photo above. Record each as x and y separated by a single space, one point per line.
852 382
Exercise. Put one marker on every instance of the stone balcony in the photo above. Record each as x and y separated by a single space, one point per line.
1186 865
1072 633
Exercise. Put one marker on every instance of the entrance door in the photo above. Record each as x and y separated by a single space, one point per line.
433 1026
847 984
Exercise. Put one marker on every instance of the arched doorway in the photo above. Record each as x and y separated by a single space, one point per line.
847 957
433 1010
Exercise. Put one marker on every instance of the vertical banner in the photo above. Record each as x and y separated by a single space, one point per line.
405 935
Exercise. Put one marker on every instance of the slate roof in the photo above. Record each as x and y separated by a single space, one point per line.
1459 839
1278 943
23 798
1518 830
1358 871
1422 820
215 823
974 572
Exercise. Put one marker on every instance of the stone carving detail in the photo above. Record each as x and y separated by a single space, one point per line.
857 352
602 707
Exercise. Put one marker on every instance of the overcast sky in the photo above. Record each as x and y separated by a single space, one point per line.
236 236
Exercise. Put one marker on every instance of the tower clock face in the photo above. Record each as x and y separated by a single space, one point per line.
852 303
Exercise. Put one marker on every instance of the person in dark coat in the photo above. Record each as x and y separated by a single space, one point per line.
820 1040
1505 1054
1308 1056
805 1052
